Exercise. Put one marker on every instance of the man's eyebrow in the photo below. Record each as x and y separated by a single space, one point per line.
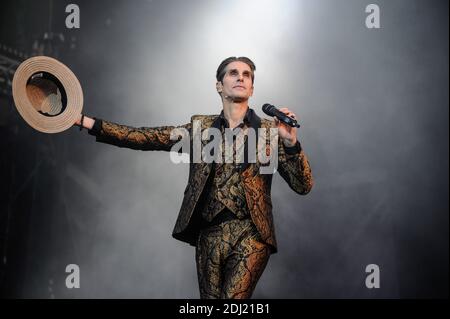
236 70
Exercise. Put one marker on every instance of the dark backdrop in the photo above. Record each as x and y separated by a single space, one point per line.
374 111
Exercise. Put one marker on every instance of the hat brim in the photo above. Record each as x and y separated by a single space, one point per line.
70 84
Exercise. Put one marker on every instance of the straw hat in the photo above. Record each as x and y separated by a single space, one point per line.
47 94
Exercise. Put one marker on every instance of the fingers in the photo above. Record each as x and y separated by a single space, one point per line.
288 112
277 121
78 121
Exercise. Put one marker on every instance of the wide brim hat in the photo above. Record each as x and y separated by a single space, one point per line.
47 94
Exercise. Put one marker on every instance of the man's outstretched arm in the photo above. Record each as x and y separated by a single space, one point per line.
142 138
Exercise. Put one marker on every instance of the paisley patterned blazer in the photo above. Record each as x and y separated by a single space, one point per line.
293 166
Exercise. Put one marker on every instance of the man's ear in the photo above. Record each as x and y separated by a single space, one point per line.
219 87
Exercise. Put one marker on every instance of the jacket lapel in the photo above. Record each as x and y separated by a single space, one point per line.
255 124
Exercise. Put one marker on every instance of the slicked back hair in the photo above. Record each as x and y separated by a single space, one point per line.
221 69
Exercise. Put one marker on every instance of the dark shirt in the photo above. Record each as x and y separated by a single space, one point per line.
224 194
225 190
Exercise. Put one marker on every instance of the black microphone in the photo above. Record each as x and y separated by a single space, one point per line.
273 111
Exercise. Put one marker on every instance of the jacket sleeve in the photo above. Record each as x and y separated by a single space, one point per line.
293 166
142 138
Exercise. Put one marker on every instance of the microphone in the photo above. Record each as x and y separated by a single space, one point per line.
273 111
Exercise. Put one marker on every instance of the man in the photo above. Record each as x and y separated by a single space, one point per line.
226 211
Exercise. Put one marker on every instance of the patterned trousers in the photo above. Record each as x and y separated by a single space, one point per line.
230 259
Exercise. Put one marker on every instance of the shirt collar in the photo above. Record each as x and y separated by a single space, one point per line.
246 120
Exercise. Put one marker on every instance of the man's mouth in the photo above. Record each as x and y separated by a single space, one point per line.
239 87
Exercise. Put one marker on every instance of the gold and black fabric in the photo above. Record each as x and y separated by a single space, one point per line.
230 255
293 167
230 258
226 189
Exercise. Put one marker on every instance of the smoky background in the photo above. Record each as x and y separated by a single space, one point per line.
373 105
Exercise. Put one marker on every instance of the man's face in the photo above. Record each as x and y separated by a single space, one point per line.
237 82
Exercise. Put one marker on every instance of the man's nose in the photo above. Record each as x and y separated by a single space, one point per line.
241 77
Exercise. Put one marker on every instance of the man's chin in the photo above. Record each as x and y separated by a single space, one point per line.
238 99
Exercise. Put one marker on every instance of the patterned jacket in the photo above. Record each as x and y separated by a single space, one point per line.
293 166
